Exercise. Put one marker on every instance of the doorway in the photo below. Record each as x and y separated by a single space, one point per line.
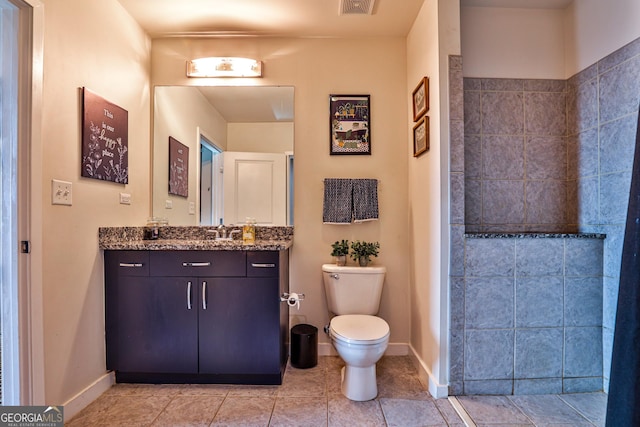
211 196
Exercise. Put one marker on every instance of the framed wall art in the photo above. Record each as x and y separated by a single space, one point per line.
350 124
105 142
420 99
178 168
421 136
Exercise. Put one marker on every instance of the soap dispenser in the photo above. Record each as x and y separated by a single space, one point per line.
249 232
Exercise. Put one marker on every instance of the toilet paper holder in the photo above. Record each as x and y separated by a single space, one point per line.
292 299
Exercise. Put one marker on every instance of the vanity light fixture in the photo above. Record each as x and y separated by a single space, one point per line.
224 67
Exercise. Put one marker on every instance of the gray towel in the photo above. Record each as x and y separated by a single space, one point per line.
338 201
365 200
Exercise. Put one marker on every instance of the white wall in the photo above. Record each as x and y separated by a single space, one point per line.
545 43
596 28
433 37
317 68
513 43
94 44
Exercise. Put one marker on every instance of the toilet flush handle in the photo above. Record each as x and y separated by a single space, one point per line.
335 276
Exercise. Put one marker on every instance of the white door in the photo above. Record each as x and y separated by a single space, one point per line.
255 186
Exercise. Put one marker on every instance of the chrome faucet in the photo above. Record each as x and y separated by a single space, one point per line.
222 231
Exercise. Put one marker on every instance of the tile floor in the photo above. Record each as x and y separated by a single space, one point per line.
311 397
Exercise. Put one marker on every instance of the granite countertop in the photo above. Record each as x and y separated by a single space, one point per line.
535 235
268 238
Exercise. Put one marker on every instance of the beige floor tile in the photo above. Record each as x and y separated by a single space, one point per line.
449 413
189 411
204 390
134 411
411 413
299 412
254 390
244 412
347 413
96 410
304 383
123 389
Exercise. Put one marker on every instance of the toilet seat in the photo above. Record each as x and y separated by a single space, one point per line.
359 329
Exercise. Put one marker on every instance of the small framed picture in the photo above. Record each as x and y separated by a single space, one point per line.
178 168
421 136
350 124
421 99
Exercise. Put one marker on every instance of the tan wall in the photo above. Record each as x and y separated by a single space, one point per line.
94 44
317 68
434 36
276 137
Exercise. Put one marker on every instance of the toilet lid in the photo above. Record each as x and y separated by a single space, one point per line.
359 327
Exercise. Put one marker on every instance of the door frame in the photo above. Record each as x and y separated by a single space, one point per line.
30 190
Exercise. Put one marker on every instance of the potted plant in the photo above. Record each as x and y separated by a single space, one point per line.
362 251
340 251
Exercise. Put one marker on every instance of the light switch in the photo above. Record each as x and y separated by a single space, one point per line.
125 198
61 192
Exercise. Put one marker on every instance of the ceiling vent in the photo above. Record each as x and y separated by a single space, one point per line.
356 7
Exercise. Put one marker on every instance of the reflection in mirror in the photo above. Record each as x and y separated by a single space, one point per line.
240 154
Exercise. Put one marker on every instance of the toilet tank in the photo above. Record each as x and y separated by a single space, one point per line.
353 290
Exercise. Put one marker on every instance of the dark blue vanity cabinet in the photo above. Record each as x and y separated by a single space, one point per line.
196 316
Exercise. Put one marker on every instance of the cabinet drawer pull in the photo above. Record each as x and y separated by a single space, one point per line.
196 264
204 295
188 295
131 264
257 265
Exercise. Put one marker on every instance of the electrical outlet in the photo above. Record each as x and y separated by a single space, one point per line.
192 208
125 198
61 192
168 204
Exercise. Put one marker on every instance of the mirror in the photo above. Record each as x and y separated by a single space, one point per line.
230 157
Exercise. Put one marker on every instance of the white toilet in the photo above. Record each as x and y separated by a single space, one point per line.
359 337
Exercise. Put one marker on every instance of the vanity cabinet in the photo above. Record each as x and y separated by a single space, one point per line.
196 316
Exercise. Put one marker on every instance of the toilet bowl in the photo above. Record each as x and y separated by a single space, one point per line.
359 337
360 341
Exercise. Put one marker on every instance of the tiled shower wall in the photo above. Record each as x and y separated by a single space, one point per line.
601 106
515 155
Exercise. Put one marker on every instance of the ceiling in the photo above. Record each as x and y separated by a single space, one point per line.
277 18
290 18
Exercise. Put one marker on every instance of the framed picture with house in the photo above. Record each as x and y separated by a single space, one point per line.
349 124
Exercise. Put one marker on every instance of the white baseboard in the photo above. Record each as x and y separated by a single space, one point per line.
88 395
437 390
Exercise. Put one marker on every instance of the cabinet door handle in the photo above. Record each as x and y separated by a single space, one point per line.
257 265
196 264
204 295
188 295
131 264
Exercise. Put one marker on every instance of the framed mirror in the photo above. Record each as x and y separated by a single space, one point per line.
239 161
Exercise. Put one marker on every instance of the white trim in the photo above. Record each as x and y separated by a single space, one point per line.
81 400
436 389
31 320
466 419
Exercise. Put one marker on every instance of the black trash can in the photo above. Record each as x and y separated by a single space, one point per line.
304 346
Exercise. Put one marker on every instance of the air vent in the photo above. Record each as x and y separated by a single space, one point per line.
356 7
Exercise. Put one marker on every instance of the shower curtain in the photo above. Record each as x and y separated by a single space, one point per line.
623 407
